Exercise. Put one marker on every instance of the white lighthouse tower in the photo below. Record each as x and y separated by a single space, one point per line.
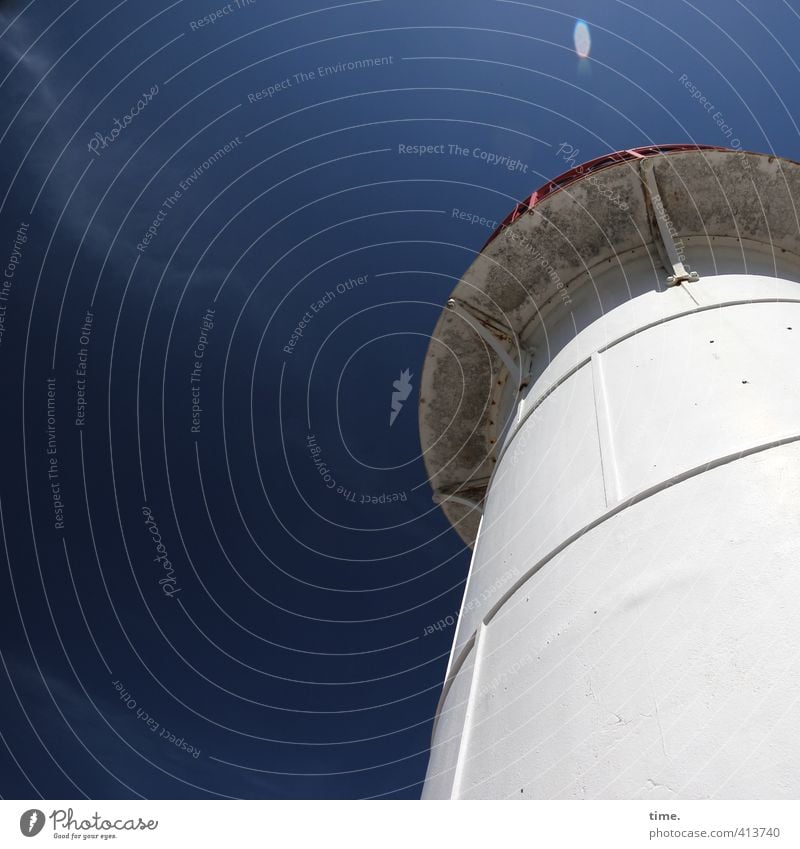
610 415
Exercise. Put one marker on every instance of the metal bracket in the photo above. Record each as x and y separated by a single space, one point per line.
441 498
494 334
685 277
670 255
472 493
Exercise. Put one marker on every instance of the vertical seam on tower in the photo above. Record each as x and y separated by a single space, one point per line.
467 582
527 411
608 460
459 651
463 743
685 287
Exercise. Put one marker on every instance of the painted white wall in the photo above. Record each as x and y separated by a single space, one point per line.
632 621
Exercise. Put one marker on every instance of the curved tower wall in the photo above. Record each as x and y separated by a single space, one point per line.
631 622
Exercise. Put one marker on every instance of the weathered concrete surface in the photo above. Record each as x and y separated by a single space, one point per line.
533 272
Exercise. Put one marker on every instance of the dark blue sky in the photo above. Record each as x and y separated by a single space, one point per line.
248 196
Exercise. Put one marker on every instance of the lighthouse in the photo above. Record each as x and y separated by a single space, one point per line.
610 417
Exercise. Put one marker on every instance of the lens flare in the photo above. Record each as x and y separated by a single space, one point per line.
583 40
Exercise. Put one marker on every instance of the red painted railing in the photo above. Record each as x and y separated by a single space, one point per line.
593 165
